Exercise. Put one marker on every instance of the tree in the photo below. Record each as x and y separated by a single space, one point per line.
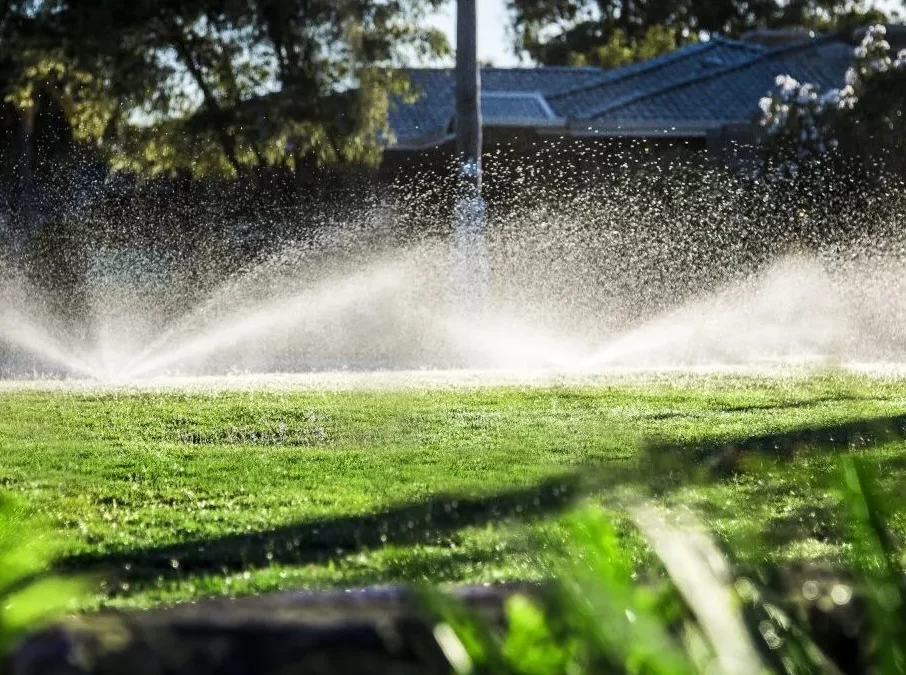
29 95
224 87
611 32
863 119
620 50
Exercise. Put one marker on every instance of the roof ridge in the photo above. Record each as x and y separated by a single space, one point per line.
667 59
767 54
542 66
450 69
740 44
653 64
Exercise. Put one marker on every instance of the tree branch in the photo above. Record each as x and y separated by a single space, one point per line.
227 140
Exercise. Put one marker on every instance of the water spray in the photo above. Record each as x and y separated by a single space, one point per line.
661 266
470 254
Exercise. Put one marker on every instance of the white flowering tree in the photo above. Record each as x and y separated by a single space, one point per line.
803 123
800 118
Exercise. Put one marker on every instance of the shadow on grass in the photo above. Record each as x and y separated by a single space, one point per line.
775 519
428 521
661 467
758 407
819 522
720 457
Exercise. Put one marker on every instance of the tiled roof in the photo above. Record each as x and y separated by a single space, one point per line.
698 86
501 107
432 111
731 95
696 60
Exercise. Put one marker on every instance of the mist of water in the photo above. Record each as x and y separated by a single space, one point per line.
625 273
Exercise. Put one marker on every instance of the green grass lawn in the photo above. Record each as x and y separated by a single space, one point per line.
173 495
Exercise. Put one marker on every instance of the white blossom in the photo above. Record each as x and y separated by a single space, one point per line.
901 59
786 83
830 97
805 116
806 94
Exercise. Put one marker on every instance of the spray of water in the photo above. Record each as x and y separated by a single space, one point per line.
662 266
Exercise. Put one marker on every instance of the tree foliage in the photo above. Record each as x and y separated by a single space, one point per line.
611 32
220 87
863 118
620 49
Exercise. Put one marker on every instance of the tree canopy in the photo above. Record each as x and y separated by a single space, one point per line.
216 87
613 32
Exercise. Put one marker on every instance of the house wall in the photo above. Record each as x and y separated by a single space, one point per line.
735 146
550 160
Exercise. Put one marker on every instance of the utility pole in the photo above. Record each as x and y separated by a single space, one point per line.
469 240
468 100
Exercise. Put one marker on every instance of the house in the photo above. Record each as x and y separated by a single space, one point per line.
705 95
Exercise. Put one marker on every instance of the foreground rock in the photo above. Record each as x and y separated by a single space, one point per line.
374 631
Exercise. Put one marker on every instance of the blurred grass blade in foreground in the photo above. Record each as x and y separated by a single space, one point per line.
30 595
700 573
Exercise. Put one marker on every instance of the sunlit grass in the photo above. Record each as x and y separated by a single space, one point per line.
178 495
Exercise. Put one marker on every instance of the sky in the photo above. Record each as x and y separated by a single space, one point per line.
495 45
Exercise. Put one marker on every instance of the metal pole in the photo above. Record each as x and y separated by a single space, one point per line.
468 99
471 264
